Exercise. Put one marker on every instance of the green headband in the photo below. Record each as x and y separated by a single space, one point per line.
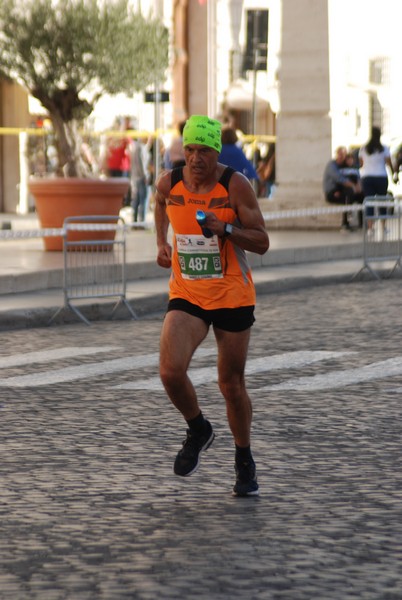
200 129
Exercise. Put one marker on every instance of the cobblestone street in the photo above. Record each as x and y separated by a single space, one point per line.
90 508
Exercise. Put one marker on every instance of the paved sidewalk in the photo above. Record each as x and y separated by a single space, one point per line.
31 279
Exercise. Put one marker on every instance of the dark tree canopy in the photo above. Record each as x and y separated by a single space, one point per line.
68 53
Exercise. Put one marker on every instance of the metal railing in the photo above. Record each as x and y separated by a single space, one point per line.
381 234
94 254
95 268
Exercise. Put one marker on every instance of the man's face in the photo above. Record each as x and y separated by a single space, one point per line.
200 159
340 155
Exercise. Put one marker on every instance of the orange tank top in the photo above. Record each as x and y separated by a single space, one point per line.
212 272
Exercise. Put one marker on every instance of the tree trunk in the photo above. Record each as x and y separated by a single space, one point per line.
68 140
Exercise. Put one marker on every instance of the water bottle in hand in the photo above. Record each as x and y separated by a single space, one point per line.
201 218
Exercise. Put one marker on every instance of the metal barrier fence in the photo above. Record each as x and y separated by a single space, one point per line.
311 212
381 233
94 253
95 268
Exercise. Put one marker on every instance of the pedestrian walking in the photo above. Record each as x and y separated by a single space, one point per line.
374 159
210 285
138 178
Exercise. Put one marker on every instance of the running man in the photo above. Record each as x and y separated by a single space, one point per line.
210 285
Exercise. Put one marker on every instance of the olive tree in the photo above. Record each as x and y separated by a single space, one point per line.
68 53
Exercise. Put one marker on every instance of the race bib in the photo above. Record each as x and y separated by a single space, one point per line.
199 257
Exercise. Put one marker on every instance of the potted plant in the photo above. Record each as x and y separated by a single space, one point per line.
67 54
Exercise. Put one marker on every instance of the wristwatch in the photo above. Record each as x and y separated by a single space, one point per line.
227 230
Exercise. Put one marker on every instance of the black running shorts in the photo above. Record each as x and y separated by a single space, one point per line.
227 319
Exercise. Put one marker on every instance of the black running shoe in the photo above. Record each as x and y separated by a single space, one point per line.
188 458
246 479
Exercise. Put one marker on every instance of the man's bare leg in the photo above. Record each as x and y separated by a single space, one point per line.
181 335
232 356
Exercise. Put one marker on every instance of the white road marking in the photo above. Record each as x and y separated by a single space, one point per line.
338 379
89 370
288 360
17 360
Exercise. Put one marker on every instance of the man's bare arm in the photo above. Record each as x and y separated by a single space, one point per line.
252 234
164 257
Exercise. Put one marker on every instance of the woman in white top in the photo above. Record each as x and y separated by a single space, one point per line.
374 158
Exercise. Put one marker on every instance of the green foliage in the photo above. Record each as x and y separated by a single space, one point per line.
67 53
51 47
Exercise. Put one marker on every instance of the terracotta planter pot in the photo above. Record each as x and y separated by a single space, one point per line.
58 198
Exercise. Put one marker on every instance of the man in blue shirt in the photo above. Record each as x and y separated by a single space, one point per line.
339 189
233 156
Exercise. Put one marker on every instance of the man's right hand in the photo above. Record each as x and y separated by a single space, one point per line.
164 258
